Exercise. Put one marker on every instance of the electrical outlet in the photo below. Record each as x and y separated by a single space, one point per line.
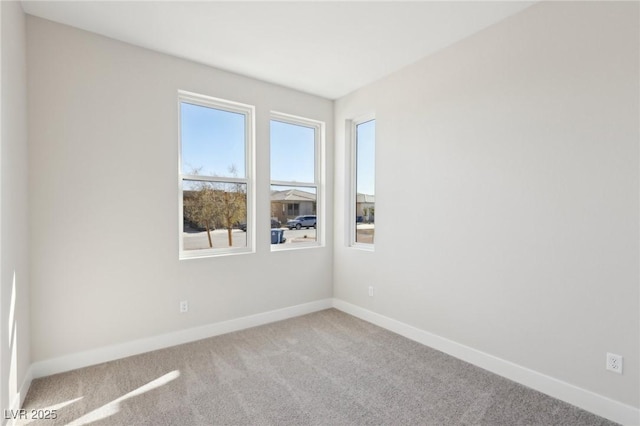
372 291
184 306
614 363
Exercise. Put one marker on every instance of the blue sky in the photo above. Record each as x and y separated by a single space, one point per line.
292 152
365 154
213 141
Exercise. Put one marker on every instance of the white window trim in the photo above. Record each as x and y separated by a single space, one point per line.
249 112
352 193
319 184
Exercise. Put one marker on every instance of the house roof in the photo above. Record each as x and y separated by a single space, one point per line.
292 195
365 198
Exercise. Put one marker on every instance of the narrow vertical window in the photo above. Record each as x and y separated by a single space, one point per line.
214 176
296 170
364 191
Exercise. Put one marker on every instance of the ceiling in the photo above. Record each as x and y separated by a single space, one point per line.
320 47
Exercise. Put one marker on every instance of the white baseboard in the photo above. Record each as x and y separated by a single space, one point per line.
18 400
587 400
110 353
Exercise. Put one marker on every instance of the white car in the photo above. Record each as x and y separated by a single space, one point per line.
308 221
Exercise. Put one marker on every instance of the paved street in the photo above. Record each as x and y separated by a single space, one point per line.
219 238
198 240
365 232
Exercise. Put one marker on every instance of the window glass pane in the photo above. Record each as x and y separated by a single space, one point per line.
293 208
365 182
215 215
292 152
213 141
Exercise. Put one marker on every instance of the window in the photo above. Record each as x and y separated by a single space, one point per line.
215 176
296 175
293 209
363 187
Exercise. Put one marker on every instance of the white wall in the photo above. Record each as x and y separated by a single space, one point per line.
507 194
14 273
104 198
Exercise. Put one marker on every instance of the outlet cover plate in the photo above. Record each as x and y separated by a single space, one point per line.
614 363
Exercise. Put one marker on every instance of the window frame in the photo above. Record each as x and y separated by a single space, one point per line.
319 176
249 178
352 164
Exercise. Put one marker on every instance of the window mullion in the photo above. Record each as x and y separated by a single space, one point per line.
202 178
294 183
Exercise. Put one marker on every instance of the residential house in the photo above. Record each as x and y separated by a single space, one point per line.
289 203
365 207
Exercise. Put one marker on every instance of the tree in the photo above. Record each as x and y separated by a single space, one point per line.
216 205
232 205
200 207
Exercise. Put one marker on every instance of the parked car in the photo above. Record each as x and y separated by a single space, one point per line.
274 224
308 221
190 226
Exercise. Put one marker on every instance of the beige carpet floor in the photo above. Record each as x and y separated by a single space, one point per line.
326 368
